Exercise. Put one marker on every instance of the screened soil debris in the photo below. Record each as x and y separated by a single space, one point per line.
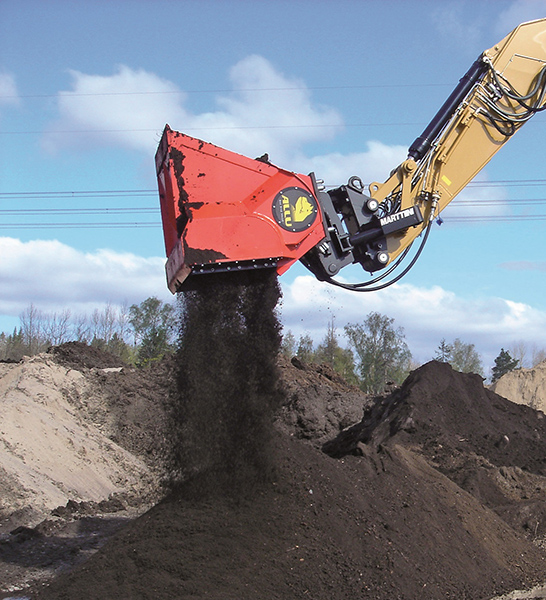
434 491
228 381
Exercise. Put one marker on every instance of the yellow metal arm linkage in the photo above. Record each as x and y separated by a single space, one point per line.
509 90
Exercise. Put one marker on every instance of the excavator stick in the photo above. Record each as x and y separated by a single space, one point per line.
223 212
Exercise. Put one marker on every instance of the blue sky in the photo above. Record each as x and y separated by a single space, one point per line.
338 87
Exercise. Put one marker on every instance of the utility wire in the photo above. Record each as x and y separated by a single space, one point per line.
65 93
227 128
86 194
81 193
154 209
97 195
113 225
217 128
149 224
78 211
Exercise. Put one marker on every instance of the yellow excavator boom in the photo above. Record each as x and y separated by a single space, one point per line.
503 89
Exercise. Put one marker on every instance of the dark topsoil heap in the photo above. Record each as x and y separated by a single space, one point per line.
76 355
437 493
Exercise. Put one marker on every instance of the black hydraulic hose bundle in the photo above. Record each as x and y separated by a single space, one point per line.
504 120
366 286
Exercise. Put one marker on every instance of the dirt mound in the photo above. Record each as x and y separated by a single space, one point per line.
79 457
524 386
382 526
317 403
77 355
437 406
132 408
48 453
402 512
399 509
489 446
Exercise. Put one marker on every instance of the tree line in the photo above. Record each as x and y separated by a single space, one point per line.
137 333
377 354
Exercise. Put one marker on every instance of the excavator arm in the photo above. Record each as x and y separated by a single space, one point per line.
222 211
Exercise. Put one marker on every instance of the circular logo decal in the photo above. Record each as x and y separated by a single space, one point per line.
294 209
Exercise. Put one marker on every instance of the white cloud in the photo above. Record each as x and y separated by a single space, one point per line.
279 107
8 90
524 265
426 314
54 276
519 12
266 112
118 110
375 163
459 24
131 107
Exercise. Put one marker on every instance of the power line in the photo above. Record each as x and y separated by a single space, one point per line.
155 209
225 128
507 183
113 225
96 195
152 192
157 224
498 202
494 218
148 225
79 211
216 128
81 193
226 90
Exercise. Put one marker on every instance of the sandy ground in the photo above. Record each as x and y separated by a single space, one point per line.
524 386
49 453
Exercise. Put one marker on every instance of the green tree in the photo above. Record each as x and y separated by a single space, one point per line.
15 347
443 353
327 349
382 352
504 363
118 347
153 323
465 358
331 353
288 345
305 351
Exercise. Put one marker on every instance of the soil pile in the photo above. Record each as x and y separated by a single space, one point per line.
385 526
285 481
50 452
524 386
489 446
82 451
76 355
317 402
397 509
